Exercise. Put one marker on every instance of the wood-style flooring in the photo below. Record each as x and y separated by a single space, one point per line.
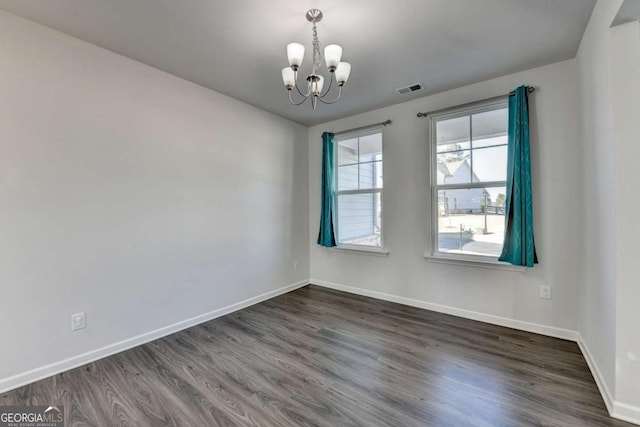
318 357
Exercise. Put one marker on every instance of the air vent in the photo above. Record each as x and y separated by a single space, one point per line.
411 88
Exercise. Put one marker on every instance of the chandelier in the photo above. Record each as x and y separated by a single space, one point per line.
338 71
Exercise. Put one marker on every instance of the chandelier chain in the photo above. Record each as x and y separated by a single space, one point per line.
317 59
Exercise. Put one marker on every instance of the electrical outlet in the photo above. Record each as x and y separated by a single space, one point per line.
295 264
78 321
545 291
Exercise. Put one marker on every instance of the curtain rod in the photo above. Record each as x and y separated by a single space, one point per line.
375 125
530 89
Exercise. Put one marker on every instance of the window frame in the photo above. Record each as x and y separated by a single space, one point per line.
433 252
379 191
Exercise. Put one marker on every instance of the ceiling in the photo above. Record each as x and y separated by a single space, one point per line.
238 47
629 11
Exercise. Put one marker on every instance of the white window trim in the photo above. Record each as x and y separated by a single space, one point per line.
433 254
360 249
473 261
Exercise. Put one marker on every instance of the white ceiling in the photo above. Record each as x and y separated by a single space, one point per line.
629 11
238 47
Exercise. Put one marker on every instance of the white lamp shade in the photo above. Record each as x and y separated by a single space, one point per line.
342 72
332 55
319 84
295 54
288 77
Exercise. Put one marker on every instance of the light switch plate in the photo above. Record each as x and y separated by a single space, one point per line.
78 321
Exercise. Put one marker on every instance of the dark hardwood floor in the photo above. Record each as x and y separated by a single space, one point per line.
321 357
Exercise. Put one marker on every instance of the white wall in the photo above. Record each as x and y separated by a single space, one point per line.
597 302
145 200
625 77
405 272
135 196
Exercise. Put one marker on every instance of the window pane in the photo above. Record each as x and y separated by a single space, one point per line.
490 164
454 168
348 177
348 151
489 124
370 175
371 147
453 134
471 221
359 216
359 219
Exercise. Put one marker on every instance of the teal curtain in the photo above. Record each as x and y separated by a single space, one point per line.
326 237
519 247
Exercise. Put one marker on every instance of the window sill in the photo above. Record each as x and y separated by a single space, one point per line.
361 250
495 265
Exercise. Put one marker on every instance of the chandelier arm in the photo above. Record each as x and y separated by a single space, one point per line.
302 94
335 100
328 88
298 89
304 98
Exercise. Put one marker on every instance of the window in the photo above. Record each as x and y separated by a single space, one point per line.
359 190
468 181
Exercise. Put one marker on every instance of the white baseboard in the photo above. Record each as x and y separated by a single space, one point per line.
616 409
597 375
625 412
537 328
33 375
619 410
